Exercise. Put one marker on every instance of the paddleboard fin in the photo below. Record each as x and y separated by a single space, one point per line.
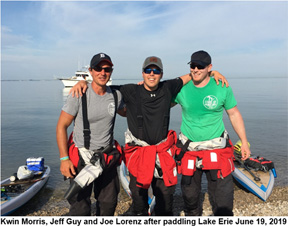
274 172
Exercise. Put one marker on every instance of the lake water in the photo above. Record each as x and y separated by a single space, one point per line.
30 111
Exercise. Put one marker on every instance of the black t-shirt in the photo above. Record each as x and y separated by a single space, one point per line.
155 108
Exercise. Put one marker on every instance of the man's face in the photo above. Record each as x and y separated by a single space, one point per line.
199 73
101 73
152 76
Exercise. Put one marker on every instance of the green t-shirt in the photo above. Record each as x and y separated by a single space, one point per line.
202 110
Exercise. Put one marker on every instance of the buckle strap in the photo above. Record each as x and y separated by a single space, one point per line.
86 126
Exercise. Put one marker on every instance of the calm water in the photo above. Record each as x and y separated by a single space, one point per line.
30 111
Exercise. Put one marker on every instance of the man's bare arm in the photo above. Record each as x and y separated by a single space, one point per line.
217 76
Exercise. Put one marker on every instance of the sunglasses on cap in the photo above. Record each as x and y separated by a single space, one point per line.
155 71
106 70
194 65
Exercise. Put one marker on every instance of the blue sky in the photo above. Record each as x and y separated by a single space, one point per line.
47 39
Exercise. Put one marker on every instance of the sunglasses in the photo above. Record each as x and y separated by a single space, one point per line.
155 71
193 66
106 70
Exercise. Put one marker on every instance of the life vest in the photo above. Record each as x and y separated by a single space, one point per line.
216 159
140 161
109 158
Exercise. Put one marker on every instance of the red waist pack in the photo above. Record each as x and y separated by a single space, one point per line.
74 153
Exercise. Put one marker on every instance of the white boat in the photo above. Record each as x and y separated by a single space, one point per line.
125 179
16 194
82 74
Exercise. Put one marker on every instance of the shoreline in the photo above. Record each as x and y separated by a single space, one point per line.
245 204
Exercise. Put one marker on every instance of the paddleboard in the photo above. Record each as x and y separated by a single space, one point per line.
260 183
125 179
15 194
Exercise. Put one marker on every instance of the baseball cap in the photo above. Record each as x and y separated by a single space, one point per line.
201 57
153 61
98 58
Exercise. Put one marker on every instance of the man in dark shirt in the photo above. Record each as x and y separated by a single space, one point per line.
148 111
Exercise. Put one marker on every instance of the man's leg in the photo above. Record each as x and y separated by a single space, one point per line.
139 205
106 190
80 204
164 198
221 195
191 192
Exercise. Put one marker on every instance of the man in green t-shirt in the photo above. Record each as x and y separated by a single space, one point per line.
205 141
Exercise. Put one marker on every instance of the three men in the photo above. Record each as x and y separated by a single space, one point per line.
149 144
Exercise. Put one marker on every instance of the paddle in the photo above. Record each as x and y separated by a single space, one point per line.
245 167
23 182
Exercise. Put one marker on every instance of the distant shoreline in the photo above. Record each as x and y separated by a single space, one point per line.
139 78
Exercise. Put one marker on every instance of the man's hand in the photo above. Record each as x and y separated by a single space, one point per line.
245 151
218 76
79 88
67 169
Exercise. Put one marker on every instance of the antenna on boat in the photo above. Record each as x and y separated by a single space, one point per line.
78 63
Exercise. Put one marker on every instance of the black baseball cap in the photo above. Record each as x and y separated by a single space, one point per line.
99 58
200 57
